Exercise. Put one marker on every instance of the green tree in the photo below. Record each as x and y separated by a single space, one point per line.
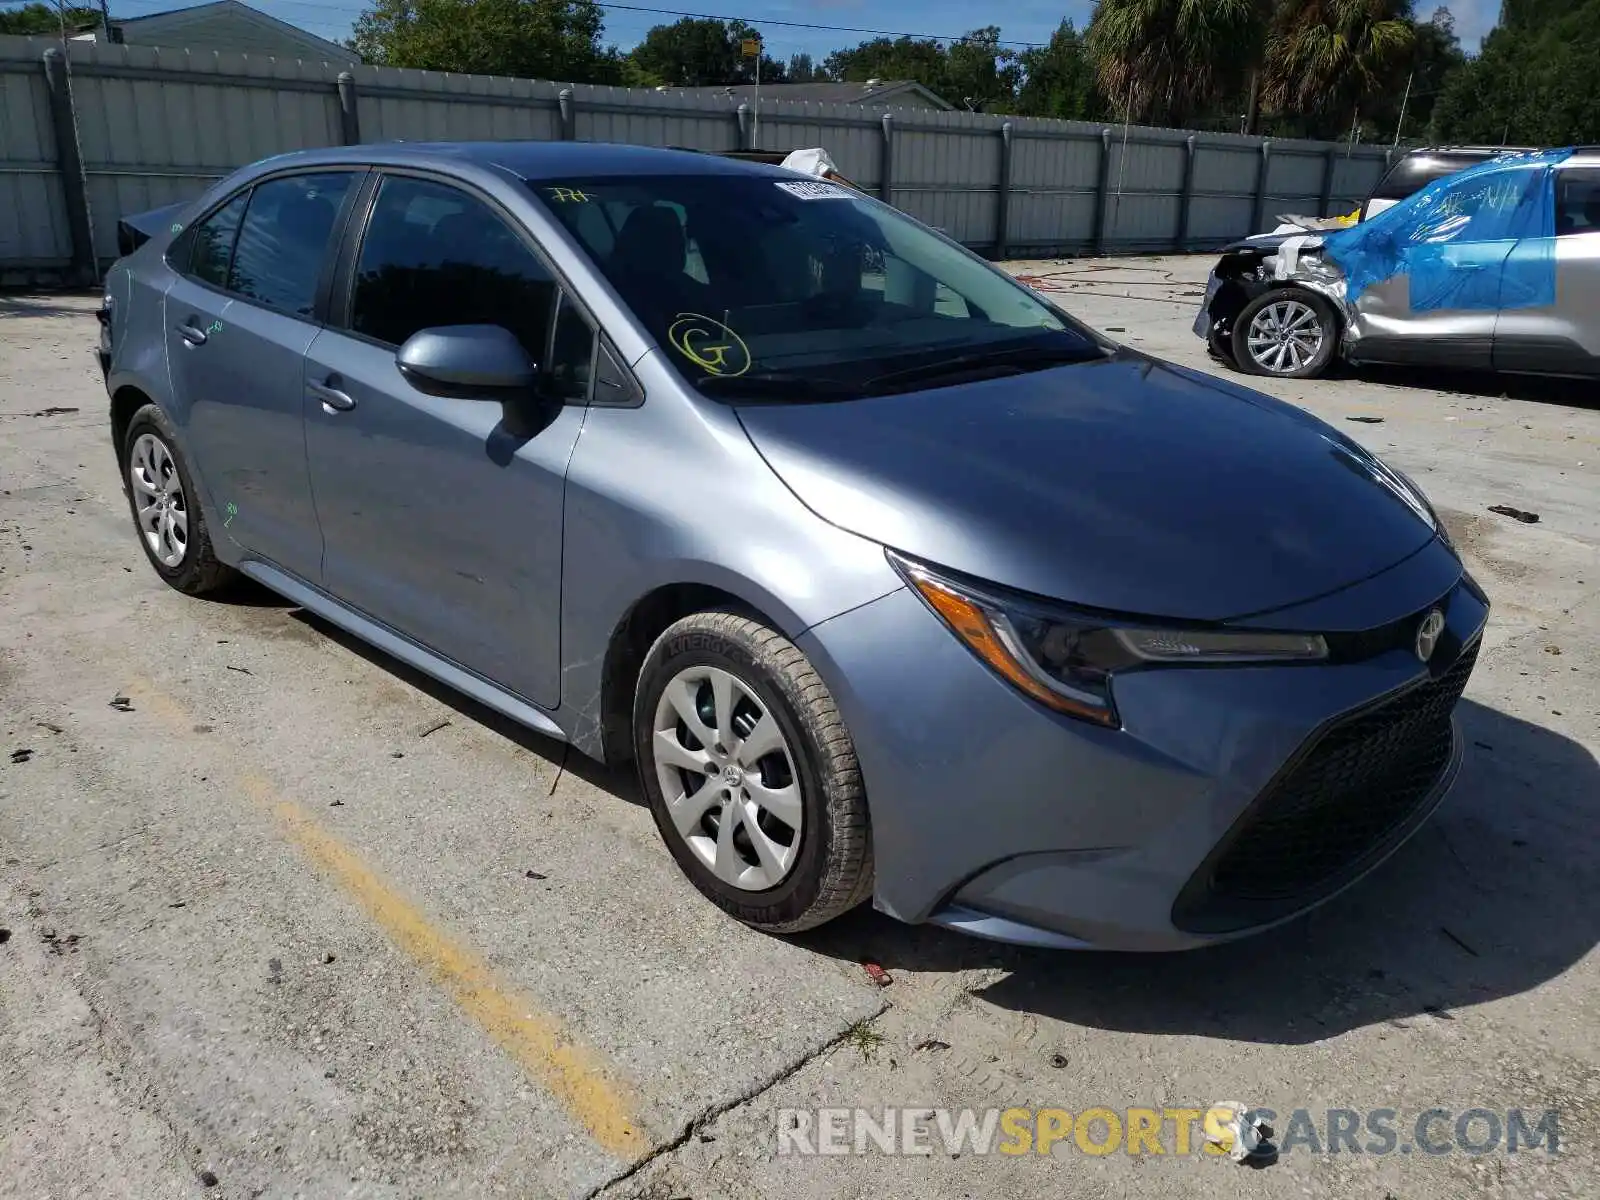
980 75
533 39
1169 61
1328 59
803 70
700 52
1533 84
36 19
1058 78
1436 56
920 59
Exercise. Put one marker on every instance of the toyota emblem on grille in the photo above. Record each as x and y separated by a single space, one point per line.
1428 634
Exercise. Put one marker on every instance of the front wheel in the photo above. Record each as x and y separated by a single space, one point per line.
751 774
1288 332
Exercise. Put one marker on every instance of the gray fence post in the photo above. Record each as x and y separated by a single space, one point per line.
1191 149
1002 220
1102 192
886 162
1259 212
69 162
742 115
566 102
1330 164
349 117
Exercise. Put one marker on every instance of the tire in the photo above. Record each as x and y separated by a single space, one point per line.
1305 354
824 868
153 466
1220 346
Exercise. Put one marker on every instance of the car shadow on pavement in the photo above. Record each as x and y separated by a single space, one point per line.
41 306
1491 898
620 783
1578 393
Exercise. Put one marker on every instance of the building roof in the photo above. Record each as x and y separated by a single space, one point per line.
150 25
883 93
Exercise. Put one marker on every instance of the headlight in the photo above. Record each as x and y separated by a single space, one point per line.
1066 660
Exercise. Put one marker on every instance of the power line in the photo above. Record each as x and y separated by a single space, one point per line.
896 33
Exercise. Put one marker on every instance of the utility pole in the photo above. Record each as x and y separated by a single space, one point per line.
1403 103
105 22
749 47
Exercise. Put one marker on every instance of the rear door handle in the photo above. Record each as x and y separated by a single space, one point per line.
192 333
333 400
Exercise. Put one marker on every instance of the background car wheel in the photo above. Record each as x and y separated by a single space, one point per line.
751 774
1289 332
166 508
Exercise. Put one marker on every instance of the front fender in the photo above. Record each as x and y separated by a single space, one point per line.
708 511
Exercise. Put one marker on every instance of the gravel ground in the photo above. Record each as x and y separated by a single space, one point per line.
289 920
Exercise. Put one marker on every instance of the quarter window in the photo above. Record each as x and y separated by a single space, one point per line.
283 243
211 243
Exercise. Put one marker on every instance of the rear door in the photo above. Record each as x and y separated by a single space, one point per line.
238 322
442 517
1563 336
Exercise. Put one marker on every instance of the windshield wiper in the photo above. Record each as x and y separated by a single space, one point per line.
1026 357
776 385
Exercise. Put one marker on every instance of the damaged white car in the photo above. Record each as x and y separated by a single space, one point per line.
1494 268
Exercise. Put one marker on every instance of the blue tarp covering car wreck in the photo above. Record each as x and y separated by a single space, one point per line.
1480 239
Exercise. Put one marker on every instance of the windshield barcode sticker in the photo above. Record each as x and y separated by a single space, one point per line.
815 191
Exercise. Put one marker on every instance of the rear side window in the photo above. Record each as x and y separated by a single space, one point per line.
1415 172
434 255
1577 201
211 242
283 244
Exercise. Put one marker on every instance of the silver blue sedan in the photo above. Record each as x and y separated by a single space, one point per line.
893 580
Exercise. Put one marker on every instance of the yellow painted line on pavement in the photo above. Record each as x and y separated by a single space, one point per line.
575 1074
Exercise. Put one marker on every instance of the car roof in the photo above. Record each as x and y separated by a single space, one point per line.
553 161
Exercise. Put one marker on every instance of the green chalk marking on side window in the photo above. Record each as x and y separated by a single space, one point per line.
233 511
177 227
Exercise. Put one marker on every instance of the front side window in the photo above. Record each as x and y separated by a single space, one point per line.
434 255
768 283
284 242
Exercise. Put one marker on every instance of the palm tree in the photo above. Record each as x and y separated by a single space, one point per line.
1167 61
1328 58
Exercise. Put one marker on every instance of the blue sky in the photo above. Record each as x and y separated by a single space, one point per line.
1024 20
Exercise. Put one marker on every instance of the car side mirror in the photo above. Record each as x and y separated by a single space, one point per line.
475 361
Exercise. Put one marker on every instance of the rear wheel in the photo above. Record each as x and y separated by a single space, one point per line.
1288 332
751 774
166 508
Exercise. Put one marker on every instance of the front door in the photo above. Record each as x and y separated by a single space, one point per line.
238 322
442 517
1558 331
1442 270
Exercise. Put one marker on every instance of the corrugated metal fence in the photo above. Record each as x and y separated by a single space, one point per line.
143 127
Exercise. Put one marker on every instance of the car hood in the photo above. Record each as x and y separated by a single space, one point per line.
1129 484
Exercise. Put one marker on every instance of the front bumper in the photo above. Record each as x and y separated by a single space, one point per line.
996 817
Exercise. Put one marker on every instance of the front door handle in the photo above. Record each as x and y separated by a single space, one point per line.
333 400
191 332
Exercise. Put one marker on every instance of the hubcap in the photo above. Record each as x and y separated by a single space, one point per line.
1285 336
158 499
728 777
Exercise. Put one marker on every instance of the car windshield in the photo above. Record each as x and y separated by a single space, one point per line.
788 288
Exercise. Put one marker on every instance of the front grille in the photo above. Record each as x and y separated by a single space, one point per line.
1340 799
